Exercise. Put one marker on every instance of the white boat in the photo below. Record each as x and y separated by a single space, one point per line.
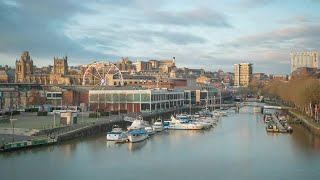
136 123
150 130
116 134
207 120
206 125
219 113
182 124
137 131
158 126
136 135
204 112
223 113
216 113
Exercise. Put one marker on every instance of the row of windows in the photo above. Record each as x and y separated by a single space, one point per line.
116 97
163 97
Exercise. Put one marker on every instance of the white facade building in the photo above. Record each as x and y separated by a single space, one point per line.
304 59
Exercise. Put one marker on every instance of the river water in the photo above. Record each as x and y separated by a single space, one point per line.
237 148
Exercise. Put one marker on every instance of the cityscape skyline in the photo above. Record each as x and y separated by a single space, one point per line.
192 32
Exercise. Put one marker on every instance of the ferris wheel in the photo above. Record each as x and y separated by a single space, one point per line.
102 74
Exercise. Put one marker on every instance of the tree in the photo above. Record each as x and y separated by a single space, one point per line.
35 98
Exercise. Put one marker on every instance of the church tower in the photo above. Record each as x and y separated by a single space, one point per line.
60 66
24 68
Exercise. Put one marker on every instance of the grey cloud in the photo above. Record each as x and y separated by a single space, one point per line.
288 37
201 16
38 26
173 37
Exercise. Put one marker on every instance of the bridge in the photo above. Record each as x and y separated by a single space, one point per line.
262 106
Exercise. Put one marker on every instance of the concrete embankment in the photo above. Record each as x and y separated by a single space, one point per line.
89 130
314 129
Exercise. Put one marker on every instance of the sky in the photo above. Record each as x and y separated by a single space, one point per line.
204 34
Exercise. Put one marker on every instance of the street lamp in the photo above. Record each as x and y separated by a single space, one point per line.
12 122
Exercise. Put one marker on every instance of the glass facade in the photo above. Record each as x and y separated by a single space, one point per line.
137 100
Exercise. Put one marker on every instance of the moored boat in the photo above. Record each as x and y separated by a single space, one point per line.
137 131
272 127
150 130
138 134
116 134
182 124
158 126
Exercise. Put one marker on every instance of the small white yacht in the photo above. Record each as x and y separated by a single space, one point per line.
219 113
136 123
116 134
158 126
207 120
150 130
137 131
183 124
136 135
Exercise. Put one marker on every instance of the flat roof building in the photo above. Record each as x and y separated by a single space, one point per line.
242 74
304 59
133 99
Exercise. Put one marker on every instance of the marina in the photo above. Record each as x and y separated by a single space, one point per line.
238 140
140 130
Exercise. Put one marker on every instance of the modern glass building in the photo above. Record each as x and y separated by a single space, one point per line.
134 99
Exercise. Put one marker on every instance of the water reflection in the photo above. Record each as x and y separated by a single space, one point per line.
303 139
112 144
136 146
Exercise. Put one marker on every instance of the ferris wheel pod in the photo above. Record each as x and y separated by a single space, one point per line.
101 74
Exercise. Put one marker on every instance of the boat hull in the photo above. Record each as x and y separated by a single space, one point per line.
115 137
158 128
189 127
137 137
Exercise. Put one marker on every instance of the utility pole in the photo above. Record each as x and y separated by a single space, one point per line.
220 98
207 99
12 122
214 103
190 103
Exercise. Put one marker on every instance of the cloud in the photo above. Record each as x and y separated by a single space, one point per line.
201 16
255 3
299 36
202 34
37 26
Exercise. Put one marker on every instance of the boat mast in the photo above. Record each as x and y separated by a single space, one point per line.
207 99
214 103
220 99
190 102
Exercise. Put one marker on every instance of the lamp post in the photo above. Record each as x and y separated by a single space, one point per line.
190 105
220 98
214 103
119 107
12 122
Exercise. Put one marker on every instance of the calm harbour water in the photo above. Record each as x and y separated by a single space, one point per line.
237 148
